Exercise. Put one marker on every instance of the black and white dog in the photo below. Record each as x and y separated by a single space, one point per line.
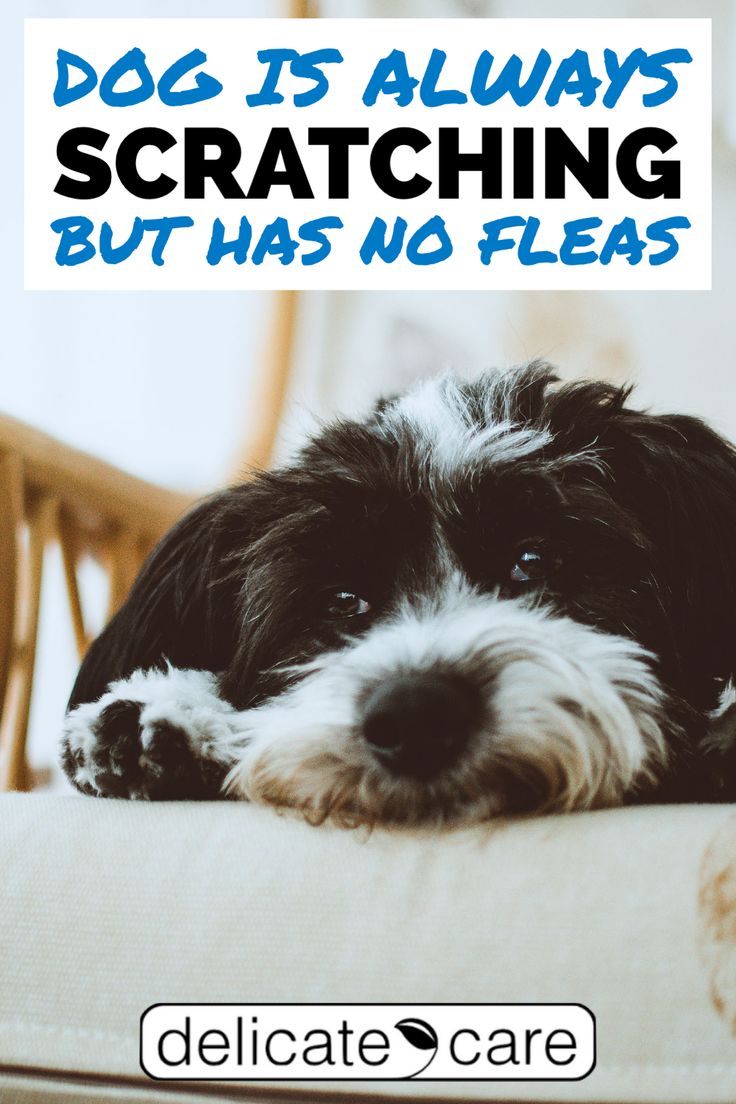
509 595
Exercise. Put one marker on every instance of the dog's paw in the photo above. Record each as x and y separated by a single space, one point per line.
155 736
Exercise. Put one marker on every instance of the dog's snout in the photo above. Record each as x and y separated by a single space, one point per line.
418 724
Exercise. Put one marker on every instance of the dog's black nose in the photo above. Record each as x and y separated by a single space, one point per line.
416 725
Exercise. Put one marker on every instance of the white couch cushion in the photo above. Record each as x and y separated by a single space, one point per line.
111 906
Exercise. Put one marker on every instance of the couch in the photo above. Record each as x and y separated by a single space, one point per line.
109 907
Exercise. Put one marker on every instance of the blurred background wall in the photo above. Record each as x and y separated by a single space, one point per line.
680 347
169 399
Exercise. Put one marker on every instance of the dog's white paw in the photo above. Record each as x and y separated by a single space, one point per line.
156 735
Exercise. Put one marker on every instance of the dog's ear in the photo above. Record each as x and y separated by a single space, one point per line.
182 607
677 476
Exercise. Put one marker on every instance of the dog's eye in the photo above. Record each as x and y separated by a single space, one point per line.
531 566
346 604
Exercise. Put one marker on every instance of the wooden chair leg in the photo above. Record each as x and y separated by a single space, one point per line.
15 774
69 555
302 9
124 559
11 515
271 388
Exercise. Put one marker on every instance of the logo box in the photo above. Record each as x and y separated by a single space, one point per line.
368 1042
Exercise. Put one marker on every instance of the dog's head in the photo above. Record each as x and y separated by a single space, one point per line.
497 596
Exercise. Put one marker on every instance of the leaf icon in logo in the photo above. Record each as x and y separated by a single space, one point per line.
419 1033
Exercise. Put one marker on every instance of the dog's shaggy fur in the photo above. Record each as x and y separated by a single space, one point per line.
508 595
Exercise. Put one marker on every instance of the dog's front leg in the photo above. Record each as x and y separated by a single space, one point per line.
157 735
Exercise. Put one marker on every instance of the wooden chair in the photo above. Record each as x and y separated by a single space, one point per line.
52 493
